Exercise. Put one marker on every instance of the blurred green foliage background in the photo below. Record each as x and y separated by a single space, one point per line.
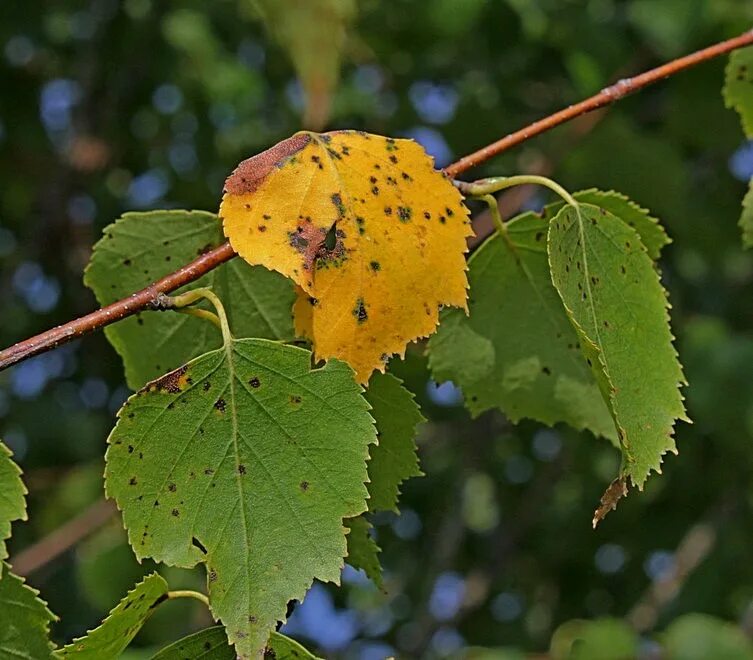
110 106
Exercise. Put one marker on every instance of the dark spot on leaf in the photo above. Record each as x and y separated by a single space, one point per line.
175 513
295 399
198 544
168 383
388 210
241 469
220 405
172 487
304 486
132 481
375 266
206 386
212 575
546 370
337 200
254 382
404 213
359 311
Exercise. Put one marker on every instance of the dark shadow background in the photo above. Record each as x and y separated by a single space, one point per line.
111 106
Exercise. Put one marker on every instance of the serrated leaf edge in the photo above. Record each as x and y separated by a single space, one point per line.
680 383
6 452
70 647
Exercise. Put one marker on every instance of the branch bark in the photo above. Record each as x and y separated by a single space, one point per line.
605 97
147 298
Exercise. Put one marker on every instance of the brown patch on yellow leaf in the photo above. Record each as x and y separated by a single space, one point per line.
374 236
250 173
613 494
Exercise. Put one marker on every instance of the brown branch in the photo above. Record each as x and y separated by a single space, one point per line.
141 300
146 298
606 96
63 538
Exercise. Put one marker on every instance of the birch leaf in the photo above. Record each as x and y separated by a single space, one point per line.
616 303
517 351
12 497
363 552
117 631
248 460
24 619
738 86
211 644
138 249
366 227
394 458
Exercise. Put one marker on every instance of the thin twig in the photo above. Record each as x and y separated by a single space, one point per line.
63 538
133 304
606 96
145 298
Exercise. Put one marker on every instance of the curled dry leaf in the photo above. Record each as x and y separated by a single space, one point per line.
613 494
372 234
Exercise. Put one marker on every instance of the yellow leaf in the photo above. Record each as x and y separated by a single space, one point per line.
373 235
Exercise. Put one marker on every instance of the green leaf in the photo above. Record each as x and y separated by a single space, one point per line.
616 303
738 87
138 249
652 234
746 219
12 496
211 644
248 460
517 350
394 459
24 619
208 644
603 639
362 549
117 631
285 648
700 636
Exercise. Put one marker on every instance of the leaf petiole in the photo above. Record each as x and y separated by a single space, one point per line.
491 202
202 314
494 184
181 302
187 593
